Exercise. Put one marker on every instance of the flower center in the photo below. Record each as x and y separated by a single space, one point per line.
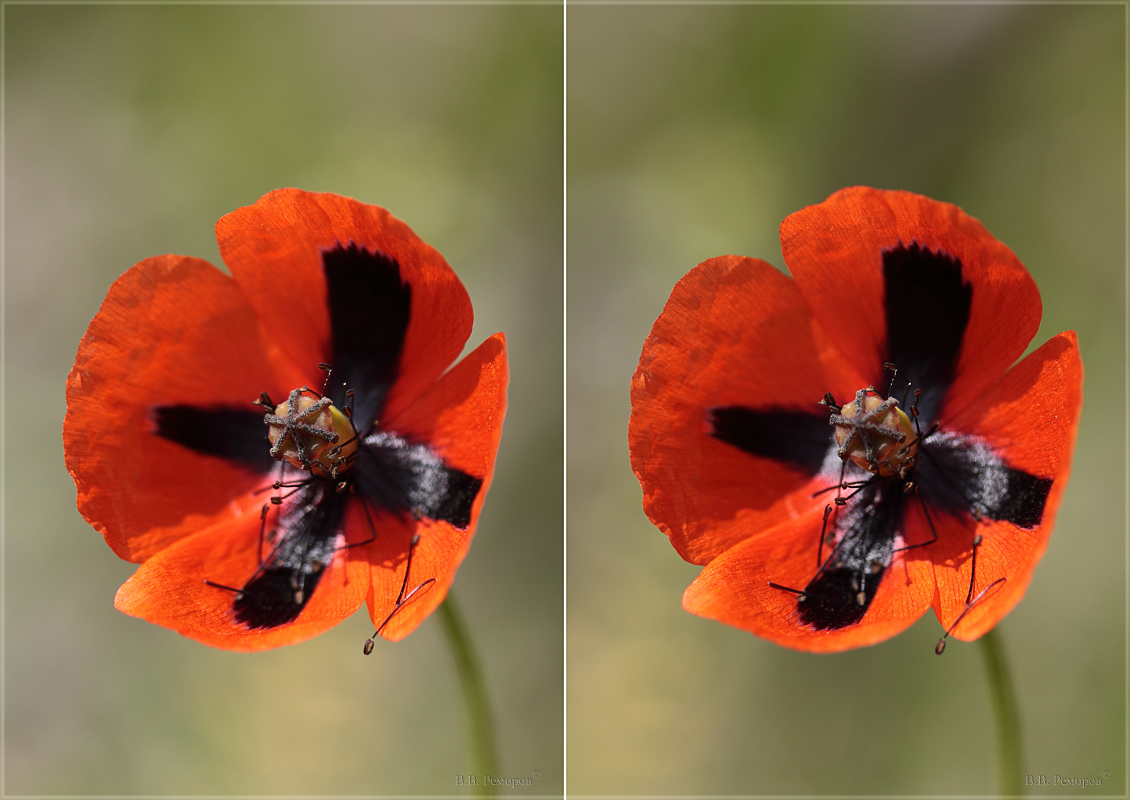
311 433
875 433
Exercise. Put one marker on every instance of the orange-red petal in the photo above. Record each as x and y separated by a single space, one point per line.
735 331
461 417
169 589
734 589
172 330
274 250
834 251
1030 417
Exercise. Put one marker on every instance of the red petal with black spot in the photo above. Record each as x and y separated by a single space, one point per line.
736 456
171 457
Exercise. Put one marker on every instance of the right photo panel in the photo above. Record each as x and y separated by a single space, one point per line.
846 405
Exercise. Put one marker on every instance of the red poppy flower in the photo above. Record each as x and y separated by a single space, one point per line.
371 482
940 484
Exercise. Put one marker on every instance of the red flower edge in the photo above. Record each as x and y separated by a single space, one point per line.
737 462
171 459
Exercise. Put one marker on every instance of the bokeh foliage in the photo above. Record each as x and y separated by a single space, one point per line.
129 130
693 130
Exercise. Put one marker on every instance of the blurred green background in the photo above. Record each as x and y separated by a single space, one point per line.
129 131
693 131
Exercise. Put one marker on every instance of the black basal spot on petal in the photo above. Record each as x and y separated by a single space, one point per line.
927 305
411 479
841 593
306 531
963 475
232 433
369 307
832 602
273 598
796 438
1022 501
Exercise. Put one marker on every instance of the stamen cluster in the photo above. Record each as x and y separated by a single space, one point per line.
874 433
306 429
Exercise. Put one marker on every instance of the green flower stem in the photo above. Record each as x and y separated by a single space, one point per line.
1008 717
484 761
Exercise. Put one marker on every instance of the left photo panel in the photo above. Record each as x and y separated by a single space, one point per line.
282 400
